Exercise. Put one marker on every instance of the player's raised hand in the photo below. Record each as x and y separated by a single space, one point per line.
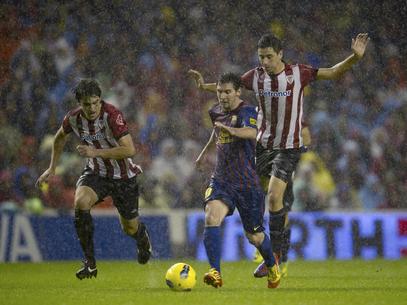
197 77
359 44
44 177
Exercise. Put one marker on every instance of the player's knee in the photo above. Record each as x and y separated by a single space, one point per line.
85 198
212 219
83 202
215 212
274 197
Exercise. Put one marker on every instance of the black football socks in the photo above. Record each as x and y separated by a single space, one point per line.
84 229
276 225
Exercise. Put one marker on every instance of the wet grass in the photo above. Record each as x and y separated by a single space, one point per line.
126 283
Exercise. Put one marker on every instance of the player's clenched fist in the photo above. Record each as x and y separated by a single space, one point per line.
86 151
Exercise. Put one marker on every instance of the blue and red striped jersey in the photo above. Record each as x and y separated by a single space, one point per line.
235 157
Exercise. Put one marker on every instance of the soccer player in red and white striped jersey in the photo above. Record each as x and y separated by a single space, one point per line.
109 171
279 91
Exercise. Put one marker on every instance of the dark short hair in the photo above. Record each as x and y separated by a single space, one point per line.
86 87
270 41
230 78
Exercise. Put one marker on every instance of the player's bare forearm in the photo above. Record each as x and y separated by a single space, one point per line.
200 83
116 153
338 70
243 133
211 87
124 150
207 147
57 148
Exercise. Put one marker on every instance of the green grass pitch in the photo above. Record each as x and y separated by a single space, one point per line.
126 283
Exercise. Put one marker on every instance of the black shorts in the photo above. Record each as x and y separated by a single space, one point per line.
124 192
278 163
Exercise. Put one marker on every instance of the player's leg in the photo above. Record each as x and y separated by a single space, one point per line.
215 212
270 264
288 202
138 230
277 212
85 198
271 164
280 251
263 245
283 166
125 196
257 257
276 225
288 199
251 209
286 237
262 270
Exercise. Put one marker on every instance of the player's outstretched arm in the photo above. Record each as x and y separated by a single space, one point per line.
201 157
358 48
242 132
124 150
200 83
57 148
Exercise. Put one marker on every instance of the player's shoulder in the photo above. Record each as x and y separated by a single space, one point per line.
246 110
109 108
246 107
256 70
113 116
300 66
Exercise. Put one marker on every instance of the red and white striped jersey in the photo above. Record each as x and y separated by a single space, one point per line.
103 132
280 99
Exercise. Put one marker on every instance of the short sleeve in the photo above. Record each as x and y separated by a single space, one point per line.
118 124
249 117
307 74
247 79
66 125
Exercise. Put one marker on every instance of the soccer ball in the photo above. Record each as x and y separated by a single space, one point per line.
181 277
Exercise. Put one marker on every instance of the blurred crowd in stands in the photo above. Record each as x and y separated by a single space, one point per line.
140 51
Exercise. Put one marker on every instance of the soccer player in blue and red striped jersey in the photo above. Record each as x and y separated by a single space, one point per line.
234 182
109 170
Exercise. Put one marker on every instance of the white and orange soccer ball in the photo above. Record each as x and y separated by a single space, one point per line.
181 277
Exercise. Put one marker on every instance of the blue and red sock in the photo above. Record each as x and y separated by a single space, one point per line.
266 251
212 242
